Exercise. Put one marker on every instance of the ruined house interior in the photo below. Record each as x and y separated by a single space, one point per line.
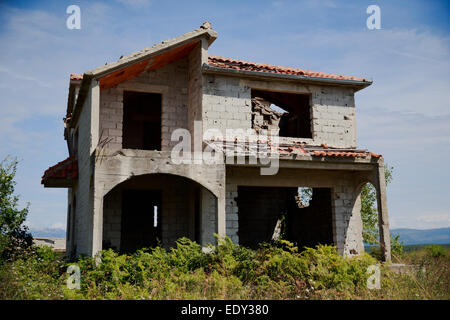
125 192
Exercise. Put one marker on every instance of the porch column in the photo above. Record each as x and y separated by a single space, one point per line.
221 213
383 218
97 219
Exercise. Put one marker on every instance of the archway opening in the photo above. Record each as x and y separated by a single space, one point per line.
157 209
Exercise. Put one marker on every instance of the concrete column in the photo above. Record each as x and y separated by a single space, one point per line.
221 213
383 218
97 219
95 115
208 209
94 237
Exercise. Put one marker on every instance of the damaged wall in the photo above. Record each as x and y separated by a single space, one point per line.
264 117
227 104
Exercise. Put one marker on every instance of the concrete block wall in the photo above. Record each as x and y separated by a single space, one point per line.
112 217
177 216
227 104
208 217
333 116
170 80
231 209
347 219
195 85
83 221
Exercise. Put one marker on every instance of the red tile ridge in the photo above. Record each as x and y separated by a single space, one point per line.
230 63
76 76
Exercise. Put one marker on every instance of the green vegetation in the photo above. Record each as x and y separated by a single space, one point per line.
229 271
13 234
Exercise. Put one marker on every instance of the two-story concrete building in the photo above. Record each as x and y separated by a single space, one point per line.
126 190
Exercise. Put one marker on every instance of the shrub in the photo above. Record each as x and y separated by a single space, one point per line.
228 271
435 251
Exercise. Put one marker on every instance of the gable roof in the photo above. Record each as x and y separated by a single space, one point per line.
132 65
236 64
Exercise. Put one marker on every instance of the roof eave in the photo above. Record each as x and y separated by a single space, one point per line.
357 84
157 49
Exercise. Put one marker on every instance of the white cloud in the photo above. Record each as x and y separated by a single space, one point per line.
430 220
58 225
409 67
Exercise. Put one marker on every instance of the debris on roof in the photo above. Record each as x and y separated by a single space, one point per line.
288 150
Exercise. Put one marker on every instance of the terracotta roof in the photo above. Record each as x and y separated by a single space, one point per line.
66 169
229 63
288 150
76 76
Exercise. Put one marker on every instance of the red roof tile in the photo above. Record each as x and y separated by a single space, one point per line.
293 149
66 169
76 76
229 63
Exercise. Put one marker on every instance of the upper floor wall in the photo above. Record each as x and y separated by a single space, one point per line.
164 92
327 112
178 94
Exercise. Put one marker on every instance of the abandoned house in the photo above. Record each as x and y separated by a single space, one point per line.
126 192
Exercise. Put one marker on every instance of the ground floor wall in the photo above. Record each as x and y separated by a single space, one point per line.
238 202
333 216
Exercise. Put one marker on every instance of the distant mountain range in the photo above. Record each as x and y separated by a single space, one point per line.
408 236
48 232
428 236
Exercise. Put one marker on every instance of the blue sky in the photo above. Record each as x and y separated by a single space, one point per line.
404 115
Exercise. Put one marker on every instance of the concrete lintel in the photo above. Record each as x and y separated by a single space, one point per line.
308 162
288 177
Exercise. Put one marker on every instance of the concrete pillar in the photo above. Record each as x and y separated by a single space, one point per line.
95 115
208 222
221 213
97 219
383 218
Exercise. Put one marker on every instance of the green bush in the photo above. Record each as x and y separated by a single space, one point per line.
435 251
226 271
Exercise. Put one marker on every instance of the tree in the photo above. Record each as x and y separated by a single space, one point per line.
14 234
369 214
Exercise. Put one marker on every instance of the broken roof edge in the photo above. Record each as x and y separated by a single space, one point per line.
357 84
136 57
